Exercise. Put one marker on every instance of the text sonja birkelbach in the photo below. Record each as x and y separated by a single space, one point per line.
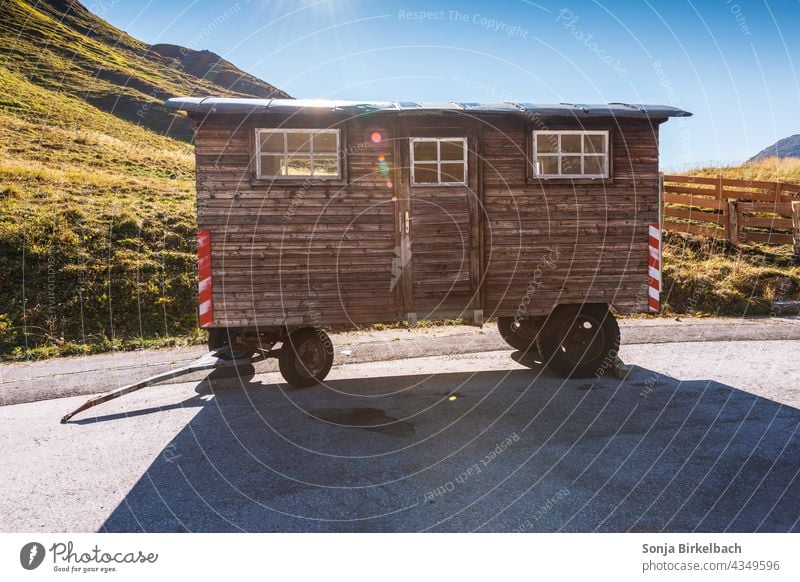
691 548
66 557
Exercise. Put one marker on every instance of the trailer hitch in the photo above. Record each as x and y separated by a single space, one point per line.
211 361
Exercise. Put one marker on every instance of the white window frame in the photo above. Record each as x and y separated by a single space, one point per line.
559 154
286 153
438 162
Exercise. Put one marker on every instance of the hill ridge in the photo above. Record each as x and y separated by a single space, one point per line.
788 147
208 65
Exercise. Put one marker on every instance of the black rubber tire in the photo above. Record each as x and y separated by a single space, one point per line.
520 334
314 361
219 340
578 341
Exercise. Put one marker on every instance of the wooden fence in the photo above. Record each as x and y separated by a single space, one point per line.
735 210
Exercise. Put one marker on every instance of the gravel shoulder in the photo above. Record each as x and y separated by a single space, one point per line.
63 377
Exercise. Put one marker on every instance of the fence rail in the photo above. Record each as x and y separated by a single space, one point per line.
734 210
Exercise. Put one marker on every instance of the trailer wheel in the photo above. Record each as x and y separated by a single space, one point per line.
220 340
518 333
306 357
579 340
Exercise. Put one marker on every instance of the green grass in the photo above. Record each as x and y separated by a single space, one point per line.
102 344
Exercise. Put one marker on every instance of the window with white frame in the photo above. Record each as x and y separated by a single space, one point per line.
438 161
298 153
570 154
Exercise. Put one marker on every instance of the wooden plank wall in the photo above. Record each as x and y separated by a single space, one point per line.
307 253
595 232
326 253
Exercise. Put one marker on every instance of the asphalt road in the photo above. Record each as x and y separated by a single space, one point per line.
40 380
700 436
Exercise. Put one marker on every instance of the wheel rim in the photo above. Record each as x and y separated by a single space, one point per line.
582 340
522 329
310 358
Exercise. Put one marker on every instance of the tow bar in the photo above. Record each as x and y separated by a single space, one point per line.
211 361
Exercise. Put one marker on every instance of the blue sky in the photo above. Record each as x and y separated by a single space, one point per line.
730 62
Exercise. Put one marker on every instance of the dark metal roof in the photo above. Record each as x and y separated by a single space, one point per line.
244 105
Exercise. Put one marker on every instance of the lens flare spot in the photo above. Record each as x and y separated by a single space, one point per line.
376 137
381 158
390 184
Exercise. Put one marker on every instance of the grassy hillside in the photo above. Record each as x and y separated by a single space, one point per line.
61 47
96 193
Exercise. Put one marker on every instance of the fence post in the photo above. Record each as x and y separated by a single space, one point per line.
725 209
796 227
733 223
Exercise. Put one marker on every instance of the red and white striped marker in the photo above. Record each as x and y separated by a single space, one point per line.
204 278
654 269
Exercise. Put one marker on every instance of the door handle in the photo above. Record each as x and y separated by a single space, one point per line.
408 223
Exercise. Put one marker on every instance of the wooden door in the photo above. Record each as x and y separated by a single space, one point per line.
439 231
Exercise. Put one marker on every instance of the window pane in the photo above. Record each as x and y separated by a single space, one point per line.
271 142
299 166
594 144
425 174
571 143
451 150
452 172
425 151
547 165
271 165
546 142
324 142
594 165
298 142
571 165
327 167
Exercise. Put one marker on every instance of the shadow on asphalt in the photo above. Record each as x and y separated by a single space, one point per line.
516 450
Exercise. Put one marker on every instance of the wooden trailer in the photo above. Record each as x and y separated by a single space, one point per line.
316 213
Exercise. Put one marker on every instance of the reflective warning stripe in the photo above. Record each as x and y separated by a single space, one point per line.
206 315
654 269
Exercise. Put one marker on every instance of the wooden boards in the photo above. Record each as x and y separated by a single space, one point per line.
335 252
561 241
736 210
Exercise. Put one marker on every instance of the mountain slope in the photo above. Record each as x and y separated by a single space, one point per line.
788 147
214 69
61 46
96 181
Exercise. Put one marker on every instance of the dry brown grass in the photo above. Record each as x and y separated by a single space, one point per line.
710 277
785 170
